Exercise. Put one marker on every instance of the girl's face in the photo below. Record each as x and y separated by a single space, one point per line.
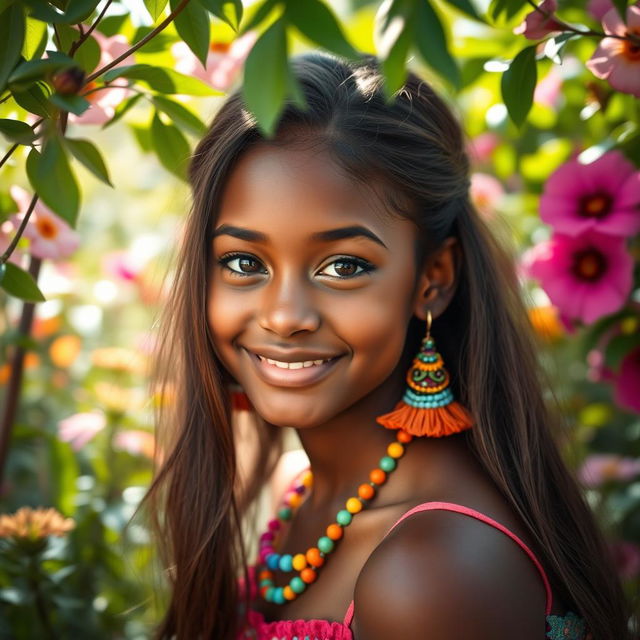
311 288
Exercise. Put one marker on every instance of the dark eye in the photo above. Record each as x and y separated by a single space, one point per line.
347 268
243 264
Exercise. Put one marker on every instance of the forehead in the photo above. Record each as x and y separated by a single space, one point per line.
297 191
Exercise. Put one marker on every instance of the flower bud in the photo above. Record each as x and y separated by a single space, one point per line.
69 81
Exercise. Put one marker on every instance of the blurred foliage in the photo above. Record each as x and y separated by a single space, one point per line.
80 110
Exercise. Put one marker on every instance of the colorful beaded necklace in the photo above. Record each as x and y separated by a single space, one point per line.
307 564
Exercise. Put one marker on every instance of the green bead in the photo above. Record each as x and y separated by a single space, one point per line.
297 584
325 544
267 582
284 513
343 517
387 463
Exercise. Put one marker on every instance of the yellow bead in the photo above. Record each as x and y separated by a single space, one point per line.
299 562
294 500
354 505
289 593
395 450
307 479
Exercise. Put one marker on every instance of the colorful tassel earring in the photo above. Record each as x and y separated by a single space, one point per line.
428 407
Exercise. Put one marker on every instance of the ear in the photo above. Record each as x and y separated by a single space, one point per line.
438 279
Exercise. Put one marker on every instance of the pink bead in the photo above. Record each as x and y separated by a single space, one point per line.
274 525
267 535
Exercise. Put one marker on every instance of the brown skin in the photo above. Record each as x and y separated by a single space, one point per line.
306 297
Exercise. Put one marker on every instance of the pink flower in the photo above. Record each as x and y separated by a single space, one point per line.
626 556
80 428
135 441
548 89
627 382
603 196
618 61
105 101
601 467
485 191
122 265
586 277
224 61
7 231
541 22
483 145
51 237
597 8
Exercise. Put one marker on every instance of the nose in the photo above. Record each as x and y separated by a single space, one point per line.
287 307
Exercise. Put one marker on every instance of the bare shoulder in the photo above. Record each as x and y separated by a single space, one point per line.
442 575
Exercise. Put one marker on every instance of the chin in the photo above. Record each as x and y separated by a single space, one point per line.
304 416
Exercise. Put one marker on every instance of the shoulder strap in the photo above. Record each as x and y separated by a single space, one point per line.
467 511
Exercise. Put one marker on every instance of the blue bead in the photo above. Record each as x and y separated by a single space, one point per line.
278 596
273 561
268 596
285 563
325 544
267 582
387 463
297 584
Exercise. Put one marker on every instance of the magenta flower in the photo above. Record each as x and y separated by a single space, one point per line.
51 237
599 468
80 428
603 196
224 61
485 191
627 382
105 100
615 60
586 277
541 22
626 557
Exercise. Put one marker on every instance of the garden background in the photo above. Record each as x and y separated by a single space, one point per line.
101 103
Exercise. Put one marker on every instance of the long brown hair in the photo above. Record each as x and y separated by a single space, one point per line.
415 146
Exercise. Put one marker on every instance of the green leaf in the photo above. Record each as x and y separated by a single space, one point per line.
155 8
259 15
518 84
466 7
193 26
12 26
229 11
31 70
53 180
35 39
621 6
87 154
265 76
618 347
394 24
432 43
76 11
170 146
20 283
75 104
163 80
35 99
122 108
110 25
180 115
505 9
316 21
87 56
16 131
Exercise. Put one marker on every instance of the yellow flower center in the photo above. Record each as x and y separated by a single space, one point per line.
596 205
589 264
631 48
46 228
220 47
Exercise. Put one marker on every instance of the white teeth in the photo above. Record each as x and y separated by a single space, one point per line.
293 365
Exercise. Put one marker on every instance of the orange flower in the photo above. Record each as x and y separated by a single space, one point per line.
119 359
546 323
64 350
34 524
5 373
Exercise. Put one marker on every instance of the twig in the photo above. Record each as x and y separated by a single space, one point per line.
23 224
76 45
152 34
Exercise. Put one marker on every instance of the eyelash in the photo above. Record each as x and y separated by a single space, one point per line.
364 265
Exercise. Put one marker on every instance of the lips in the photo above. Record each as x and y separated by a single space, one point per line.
295 369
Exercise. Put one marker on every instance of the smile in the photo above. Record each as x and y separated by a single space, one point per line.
297 373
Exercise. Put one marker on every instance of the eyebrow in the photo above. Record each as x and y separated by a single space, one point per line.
331 235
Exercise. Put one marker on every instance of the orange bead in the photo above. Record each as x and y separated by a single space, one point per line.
378 476
404 437
366 491
307 479
289 593
314 558
299 561
265 575
334 531
308 575
354 505
395 450
294 499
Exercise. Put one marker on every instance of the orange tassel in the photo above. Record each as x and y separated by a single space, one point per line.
240 401
435 423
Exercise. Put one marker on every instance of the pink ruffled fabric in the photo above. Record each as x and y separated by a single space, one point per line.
290 629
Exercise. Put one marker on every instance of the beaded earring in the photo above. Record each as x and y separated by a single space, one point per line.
428 407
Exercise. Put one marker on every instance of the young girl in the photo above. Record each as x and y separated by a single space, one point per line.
339 275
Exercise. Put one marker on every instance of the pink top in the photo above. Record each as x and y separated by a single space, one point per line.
569 627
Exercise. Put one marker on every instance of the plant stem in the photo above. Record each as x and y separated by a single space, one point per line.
76 45
41 605
15 377
152 34
7 254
